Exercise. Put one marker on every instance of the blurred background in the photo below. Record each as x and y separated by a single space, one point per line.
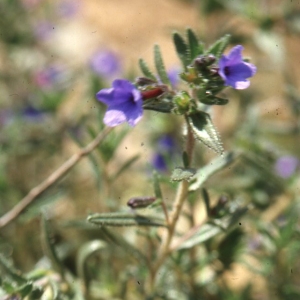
54 57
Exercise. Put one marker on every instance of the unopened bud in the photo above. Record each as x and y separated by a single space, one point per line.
203 61
182 101
153 93
140 202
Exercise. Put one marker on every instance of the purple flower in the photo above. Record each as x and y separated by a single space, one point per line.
234 70
166 150
32 114
173 75
286 166
124 103
68 8
166 144
159 162
105 63
48 77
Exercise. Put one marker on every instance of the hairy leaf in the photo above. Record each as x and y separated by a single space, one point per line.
219 46
84 253
205 131
202 233
207 171
145 70
181 49
125 219
180 174
160 67
194 49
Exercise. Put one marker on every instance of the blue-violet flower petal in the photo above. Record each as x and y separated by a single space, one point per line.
234 70
124 103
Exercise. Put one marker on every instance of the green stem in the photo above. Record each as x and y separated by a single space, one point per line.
180 198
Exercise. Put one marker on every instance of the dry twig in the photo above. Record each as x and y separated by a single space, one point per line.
52 179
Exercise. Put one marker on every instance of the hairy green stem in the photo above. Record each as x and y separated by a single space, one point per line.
180 198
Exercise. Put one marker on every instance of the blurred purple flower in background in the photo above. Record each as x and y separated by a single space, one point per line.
124 103
286 166
68 8
31 113
48 77
159 162
106 64
173 74
234 70
166 149
43 30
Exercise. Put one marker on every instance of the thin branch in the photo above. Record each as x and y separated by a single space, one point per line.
52 179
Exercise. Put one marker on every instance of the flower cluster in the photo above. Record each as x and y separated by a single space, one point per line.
126 101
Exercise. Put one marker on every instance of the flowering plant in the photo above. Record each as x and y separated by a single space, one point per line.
190 228
206 72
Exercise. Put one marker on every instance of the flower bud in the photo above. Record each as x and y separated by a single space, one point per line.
141 81
202 61
182 101
152 93
140 202
219 210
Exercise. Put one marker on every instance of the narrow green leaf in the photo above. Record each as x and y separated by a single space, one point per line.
219 46
124 167
25 289
84 253
49 248
13 273
207 171
181 49
36 293
193 44
205 131
55 289
160 67
125 219
230 246
121 242
185 159
204 233
8 286
145 70
180 174
206 199
156 185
